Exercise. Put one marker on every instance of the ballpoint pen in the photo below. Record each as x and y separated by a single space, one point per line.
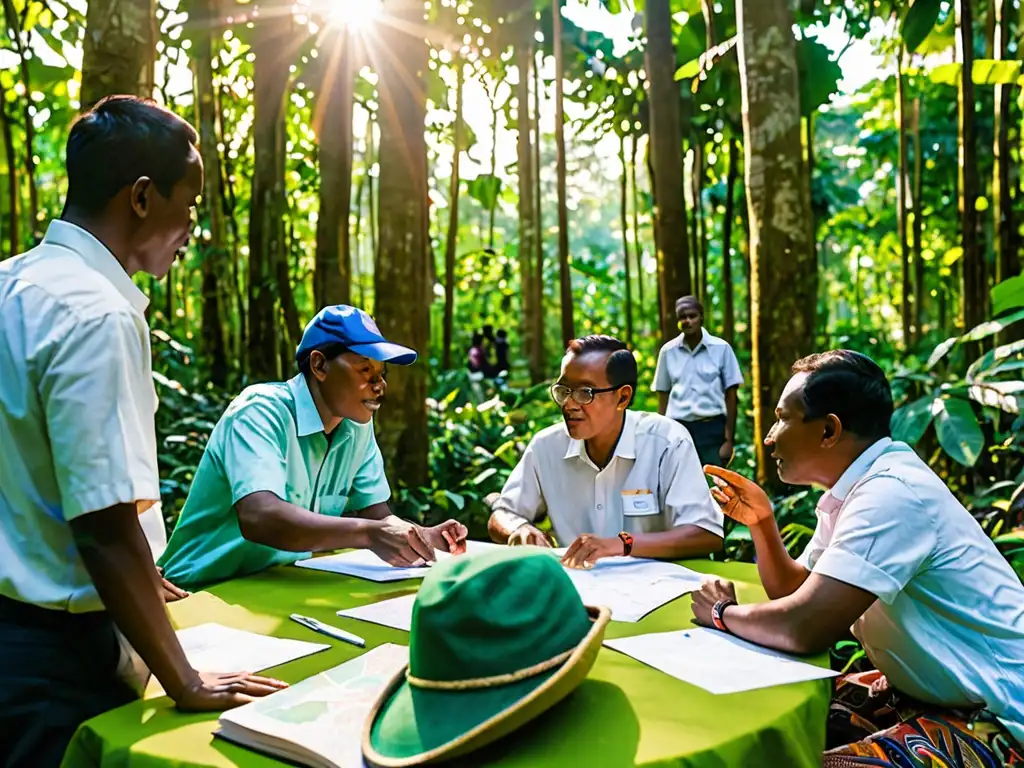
327 629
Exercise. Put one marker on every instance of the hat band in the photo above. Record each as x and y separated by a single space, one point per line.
488 682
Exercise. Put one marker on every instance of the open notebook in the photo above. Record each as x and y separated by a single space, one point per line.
318 722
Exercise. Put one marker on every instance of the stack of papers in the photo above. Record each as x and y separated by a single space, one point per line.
716 661
396 612
216 648
318 722
363 564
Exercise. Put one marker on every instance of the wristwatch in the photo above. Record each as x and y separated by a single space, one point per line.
717 611
627 543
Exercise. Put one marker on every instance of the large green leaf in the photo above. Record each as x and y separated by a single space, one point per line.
983 72
992 327
983 366
958 431
919 21
484 189
940 352
1005 395
1008 294
911 420
819 74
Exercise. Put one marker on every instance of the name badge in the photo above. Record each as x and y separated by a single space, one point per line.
639 503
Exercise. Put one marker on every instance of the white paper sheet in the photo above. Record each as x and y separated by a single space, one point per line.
633 587
396 612
363 564
320 720
716 661
216 648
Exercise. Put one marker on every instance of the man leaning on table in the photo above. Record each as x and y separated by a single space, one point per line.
939 611
78 448
293 467
614 481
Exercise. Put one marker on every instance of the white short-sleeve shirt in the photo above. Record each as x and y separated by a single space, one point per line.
696 379
652 483
77 433
948 626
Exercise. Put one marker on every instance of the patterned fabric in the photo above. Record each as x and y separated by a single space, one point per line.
872 724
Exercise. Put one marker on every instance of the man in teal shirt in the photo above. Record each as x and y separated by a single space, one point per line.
293 467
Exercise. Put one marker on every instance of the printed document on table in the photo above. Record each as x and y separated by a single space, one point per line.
716 661
318 722
363 564
216 648
633 587
396 612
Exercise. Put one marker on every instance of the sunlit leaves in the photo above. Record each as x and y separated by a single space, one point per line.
919 21
957 429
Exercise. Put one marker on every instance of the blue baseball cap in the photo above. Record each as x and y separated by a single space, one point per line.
342 324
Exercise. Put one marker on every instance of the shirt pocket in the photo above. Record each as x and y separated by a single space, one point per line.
331 505
707 371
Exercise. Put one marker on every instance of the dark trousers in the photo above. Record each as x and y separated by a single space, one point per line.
57 670
708 436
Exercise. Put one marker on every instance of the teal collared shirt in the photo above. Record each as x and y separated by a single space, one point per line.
271 438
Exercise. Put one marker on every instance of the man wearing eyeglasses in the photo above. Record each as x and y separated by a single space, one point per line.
293 467
613 480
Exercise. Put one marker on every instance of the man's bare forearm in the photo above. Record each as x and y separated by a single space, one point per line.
119 560
264 518
730 413
663 403
682 542
780 574
502 524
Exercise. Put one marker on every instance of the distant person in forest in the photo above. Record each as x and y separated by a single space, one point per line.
476 360
614 481
895 557
697 379
293 467
78 458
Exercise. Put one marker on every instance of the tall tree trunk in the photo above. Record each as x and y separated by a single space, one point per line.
359 272
119 49
901 202
920 289
372 197
401 280
453 219
974 297
624 220
333 127
783 265
213 259
700 252
667 165
538 362
13 224
524 158
15 28
729 324
637 250
272 46
565 277
1006 256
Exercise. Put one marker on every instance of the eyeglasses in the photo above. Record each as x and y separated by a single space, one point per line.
582 395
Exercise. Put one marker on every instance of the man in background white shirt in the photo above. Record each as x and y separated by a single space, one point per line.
77 440
895 556
697 379
613 480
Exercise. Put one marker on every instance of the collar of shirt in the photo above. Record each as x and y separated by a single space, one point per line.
98 257
307 417
702 343
833 499
624 449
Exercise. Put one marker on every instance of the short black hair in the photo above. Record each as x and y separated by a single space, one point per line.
850 385
689 300
330 351
621 365
119 140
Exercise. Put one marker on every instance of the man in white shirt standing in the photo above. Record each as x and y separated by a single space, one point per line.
615 481
77 441
897 559
697 379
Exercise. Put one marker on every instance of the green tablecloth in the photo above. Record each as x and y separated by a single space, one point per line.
624 714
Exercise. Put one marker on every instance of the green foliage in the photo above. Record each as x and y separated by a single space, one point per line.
918 22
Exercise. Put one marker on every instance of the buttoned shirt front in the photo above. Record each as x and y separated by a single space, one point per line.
271 438
696 379
77 433
652 483
948 625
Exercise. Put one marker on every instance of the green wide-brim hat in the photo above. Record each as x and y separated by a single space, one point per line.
497 639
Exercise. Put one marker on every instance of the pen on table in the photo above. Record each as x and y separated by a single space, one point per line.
327 629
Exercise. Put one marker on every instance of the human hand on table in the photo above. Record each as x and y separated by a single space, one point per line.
588 549
399 542
528 535
741 499
168 591
216 691
449 536
703 600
